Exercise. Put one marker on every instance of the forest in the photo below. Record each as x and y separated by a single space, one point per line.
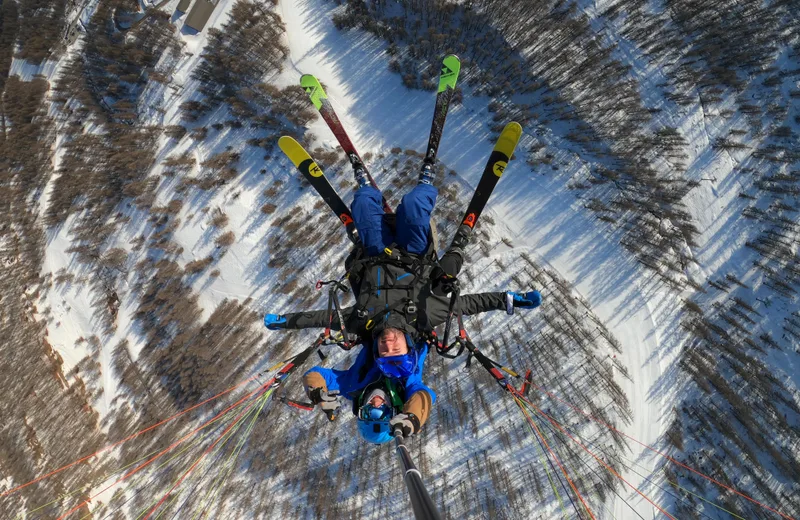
113 145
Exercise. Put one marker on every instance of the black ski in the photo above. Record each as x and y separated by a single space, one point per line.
314 174
451 66
498 161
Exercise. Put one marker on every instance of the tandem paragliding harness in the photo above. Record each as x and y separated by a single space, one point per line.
413 268
421 502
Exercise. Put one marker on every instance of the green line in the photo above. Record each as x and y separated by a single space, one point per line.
85 488
219 446
142 476
541 452
105 478
166 506
673 484
553 444
217 486
597 494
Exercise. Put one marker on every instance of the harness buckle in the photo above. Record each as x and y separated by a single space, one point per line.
411 308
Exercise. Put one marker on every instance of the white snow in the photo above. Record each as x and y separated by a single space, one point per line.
541 215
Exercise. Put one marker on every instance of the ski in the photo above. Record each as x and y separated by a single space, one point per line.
498 161
451 66
314 174
320 100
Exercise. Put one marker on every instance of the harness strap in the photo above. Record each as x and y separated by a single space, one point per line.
408 306
397 256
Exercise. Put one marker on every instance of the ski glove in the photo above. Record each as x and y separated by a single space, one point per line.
406 423
444 284
327 401
275 321
528 300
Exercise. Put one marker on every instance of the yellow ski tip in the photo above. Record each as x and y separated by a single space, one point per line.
299 156
287 143
508 139
293 150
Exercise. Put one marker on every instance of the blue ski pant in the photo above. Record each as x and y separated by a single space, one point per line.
413 219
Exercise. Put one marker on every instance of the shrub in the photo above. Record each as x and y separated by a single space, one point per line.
175 131
174 206
114 258
219 219
200 133
196 266
226 239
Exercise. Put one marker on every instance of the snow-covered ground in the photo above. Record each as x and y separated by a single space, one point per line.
534 209
538 210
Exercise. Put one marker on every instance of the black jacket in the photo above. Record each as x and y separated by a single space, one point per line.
395 291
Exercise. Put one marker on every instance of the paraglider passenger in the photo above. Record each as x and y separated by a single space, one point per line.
399 285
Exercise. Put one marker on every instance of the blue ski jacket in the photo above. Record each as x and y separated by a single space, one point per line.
364 372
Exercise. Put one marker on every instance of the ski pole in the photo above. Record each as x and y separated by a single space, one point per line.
421 502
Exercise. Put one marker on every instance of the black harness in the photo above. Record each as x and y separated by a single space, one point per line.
394 255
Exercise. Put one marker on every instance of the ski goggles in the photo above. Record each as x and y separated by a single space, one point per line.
375 413
397 366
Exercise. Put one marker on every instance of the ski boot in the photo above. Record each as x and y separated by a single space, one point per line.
426 175
359 172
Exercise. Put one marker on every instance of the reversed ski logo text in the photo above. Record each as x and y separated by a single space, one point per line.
499 167
314 170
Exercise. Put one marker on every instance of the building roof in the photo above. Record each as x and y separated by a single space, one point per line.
183 5
199 15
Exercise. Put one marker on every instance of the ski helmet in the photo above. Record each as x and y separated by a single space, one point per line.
373 421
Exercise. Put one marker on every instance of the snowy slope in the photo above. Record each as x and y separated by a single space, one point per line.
534 210
538 210
380 113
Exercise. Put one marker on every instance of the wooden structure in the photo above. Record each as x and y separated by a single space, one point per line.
199 15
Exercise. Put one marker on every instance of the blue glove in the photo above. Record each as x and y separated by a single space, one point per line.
275 321
528 300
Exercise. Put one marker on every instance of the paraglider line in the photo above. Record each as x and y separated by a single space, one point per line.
110 446
664 455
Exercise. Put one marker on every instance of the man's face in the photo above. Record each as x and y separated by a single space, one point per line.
392 342
377 401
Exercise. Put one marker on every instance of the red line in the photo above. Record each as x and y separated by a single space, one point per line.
564 471
140 432
208 450
148 462
609 468
681 464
